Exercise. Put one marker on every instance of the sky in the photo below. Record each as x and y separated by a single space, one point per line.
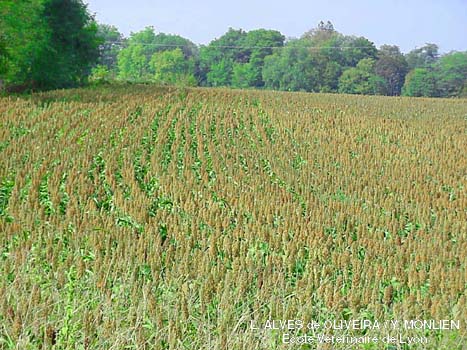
406 23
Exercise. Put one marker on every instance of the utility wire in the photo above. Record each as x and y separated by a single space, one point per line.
248 47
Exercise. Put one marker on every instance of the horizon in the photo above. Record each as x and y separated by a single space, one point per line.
441 24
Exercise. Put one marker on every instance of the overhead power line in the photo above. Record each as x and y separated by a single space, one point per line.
250 47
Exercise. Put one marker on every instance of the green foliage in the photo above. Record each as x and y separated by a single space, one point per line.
447 77
316 61
163 58
452 74
133 64
100 74
64 196
291 68
423 57
258 44
234 49
356 49
153 43
47 43
44 195
146 40
171 67
319 58
361 79
331 53
3 57
112 41
22 41
243 75
392 67
6 189
420 82
220 73
220 54
74 44
170 42
128 221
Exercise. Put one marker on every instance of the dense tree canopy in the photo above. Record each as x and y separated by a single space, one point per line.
221 53
258 44
73 43
22 41
316 61
290 68
47 43
361 79
133 63
134 60
56 43
420 82
242 54
172 67
392 67
422 57
452 74
112 42
438 77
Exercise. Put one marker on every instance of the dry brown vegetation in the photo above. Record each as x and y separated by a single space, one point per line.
149 218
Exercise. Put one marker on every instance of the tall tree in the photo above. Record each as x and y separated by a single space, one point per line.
168 42
220 74
133 63
355 49
327 57
392 67
73 46
49 43
422 57
23 38
291 68
146 40
171 67
361 79
221 52
258 44
322 32
112 42
452 74
420 82
3 59
332 52
244 75
134 60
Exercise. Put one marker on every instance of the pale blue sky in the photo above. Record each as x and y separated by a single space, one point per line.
409 23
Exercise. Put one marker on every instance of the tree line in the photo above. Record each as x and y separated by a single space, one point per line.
48 44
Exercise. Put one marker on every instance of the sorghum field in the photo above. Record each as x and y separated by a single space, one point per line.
141 217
